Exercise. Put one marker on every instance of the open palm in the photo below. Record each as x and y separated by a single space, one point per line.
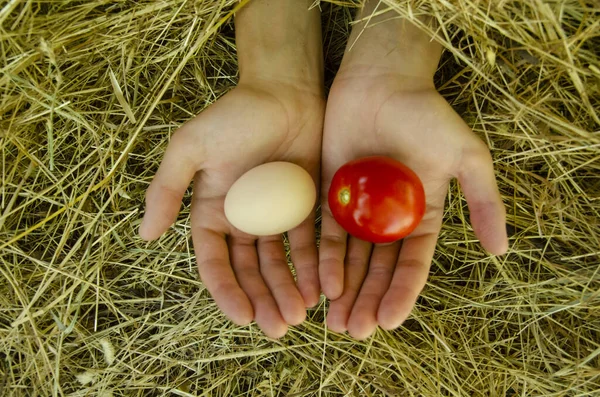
406 119
248 276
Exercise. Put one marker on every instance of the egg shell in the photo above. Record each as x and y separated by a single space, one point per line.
270 199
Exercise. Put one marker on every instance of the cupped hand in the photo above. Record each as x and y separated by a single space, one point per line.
404 117
248 276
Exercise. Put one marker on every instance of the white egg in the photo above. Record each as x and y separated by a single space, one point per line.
270 199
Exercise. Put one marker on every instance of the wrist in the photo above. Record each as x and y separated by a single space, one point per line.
384 44
280 42
279 75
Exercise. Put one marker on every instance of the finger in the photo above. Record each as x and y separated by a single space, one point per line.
410 276
357 263
216 273
331 256
164 195
276 273
363 318
303 250
244 260
488 215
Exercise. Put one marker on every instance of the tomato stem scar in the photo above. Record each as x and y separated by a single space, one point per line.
344 196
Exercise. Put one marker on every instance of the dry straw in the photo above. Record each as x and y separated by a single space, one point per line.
92 90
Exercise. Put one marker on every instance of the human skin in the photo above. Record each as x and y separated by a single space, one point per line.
275 113
384 102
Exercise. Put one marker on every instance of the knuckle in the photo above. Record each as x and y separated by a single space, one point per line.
481 152
262 298
303 247
380 271
184 145
356 263
333 240
330 263
247 273
304 255
179 140
282 288
268 267
367 297
476 155
221 288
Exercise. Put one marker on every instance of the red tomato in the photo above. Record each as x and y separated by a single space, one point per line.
377 199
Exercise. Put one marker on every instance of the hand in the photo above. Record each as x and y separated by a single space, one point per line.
275 113
248 276
374 110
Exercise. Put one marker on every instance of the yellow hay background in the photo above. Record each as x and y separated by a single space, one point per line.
90 94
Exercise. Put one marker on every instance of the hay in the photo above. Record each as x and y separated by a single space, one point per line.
91 91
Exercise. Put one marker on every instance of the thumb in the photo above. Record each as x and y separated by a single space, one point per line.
164 195
488 215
